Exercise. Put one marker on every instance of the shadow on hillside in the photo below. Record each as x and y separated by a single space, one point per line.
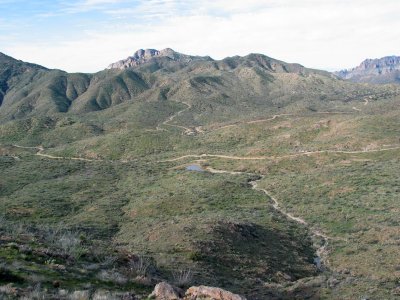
245 256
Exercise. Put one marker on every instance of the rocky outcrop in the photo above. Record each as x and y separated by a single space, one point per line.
165 291
210 293
142 56
382 70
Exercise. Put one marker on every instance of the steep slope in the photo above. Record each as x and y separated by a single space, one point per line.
382 70
44 93
12 70
30 90
109 88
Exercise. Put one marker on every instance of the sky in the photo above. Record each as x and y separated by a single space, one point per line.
88 35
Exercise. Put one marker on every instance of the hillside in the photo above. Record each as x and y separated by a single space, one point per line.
216 90
268 179
381 71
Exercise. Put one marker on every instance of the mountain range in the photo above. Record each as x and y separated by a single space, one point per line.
151 75
379 71
269 179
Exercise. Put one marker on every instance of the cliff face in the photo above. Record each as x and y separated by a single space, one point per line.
143 56
382 70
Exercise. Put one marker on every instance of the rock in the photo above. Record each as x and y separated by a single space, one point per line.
79 295
141 57
104 295
283 276
345 271
107 295
211 293
62 293
332 282
143 280
57 266
165 291
56 284
308 283
8 290
396 291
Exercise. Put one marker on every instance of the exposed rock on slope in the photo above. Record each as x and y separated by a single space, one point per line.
205 292
382 70
142 56
165 291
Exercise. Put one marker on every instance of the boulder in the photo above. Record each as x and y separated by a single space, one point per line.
79 295
165 291
210 293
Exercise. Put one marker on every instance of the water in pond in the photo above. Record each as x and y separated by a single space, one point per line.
317 262
196 168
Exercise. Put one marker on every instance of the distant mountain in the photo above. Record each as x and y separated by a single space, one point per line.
141 57
217 89
382 70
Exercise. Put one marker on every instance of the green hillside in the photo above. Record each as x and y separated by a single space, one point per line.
294 167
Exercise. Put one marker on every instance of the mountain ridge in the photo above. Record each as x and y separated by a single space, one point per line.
143 56
254 82
379 70
149 74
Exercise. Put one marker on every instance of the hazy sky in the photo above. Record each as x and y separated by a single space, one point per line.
87 35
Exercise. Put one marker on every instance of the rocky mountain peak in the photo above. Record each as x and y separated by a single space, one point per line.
387 63
379 70
143 56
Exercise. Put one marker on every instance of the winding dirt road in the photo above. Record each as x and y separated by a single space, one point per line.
186 130
40 150
278 116
205 155
322 251
252 122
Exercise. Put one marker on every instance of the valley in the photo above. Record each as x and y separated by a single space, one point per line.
297 198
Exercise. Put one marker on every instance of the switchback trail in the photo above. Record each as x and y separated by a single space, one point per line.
171 118
199 129
187 130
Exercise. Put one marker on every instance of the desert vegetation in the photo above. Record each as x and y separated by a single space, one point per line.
95 197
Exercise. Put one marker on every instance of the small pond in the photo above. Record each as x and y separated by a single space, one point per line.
196 168
317 262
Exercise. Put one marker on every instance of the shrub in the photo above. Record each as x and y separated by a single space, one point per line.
183 277
70 244
140 265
